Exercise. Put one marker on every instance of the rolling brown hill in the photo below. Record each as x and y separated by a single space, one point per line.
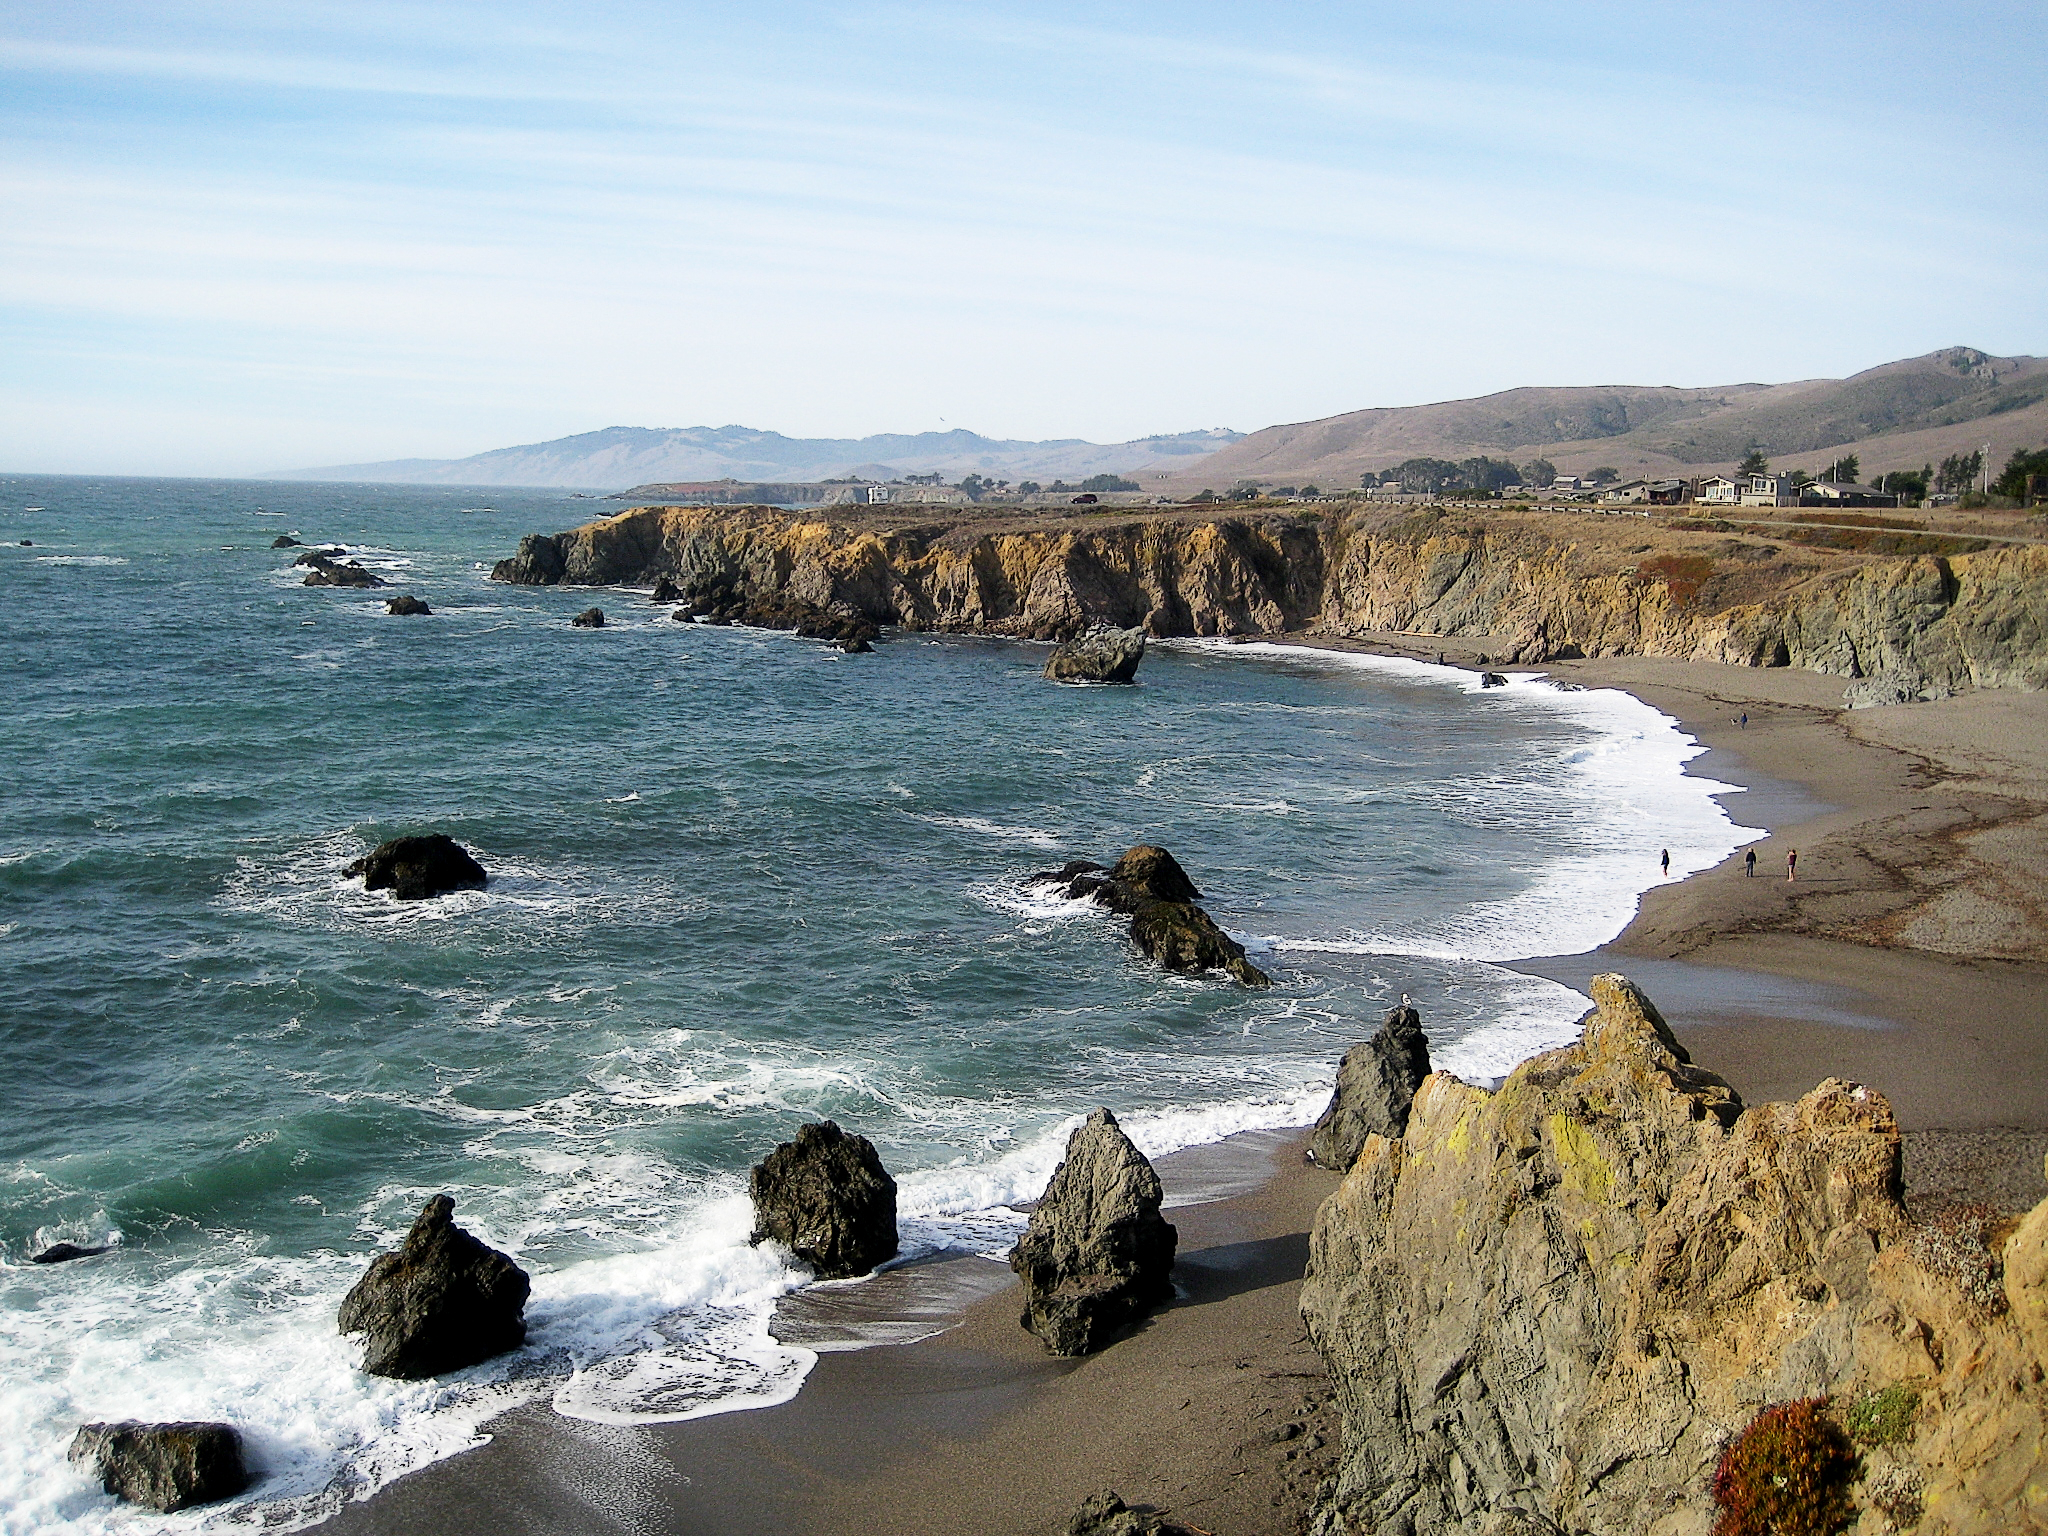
1897 416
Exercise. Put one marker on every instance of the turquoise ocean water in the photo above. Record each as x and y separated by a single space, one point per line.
739 880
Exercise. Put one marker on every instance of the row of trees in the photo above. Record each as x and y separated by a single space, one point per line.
2024 478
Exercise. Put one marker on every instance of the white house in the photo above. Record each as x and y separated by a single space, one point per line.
1769 491
1718 490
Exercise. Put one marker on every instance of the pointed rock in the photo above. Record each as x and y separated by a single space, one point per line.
827 1198
1103 655
441 1302
1376 1083
1097 1255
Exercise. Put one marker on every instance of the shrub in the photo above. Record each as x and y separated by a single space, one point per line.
1962 1244
1788 1474
1682 575
1883 1418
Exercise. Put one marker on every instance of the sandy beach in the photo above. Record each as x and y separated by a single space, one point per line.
1911 954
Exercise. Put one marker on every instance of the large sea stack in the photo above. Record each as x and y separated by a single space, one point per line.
167 1467
1097 1255
1376 1083
827 1198
440 1302
416 868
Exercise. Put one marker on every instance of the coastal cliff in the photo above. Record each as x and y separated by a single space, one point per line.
1543 585
1550 1308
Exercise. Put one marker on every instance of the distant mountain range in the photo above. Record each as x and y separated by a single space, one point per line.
619 457
1897 416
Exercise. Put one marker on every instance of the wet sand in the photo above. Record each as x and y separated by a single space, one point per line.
1910 954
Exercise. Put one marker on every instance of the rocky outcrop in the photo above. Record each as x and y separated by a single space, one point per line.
417 868
1376 1084
1102 655
589 618
1105 1514
407 607
165 1467
1551 1307
1182 937
1097 1255
328 571
64 1253
1148 885
441 1302
666 591
284 541
827 1198
1556 585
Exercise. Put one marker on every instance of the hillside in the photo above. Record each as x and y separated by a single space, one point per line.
1896 416
618 457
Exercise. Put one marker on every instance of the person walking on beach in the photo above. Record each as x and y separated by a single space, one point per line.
1749 863
1745 719
1792 865
1665 860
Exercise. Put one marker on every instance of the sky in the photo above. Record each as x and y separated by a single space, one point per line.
240 238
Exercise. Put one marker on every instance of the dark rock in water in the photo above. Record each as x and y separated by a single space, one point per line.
1102 655
64 1253
854 645
1153 874
328 571
1376 1083
416 868
539 563
589 618
665 591
441 1302
164 1466
407 606
28 543
827 1198
1492 680
320 556
284 541
1182 937
1104 1514
683 615
1097 1255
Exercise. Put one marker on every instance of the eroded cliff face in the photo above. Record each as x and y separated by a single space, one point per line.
1549 1308
1903 628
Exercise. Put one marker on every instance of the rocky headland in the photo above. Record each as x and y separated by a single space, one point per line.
1537 585
1558 1306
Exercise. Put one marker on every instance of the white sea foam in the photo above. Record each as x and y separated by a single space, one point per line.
80 560
1628 796
1035 836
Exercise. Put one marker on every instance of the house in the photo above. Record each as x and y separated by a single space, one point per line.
1768 491
1718 490
1628 492
1843 493
878 494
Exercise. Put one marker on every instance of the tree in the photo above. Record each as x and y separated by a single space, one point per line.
1484 474
1540 473
1754 462
1798 477
1425 477
1029 488
1243 493
1959 472
1845 469
1606 474
1909 485
1310 490
2025 476
1107 483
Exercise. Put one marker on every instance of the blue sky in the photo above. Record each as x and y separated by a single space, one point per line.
237 238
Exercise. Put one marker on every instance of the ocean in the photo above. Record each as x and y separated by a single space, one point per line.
739 880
